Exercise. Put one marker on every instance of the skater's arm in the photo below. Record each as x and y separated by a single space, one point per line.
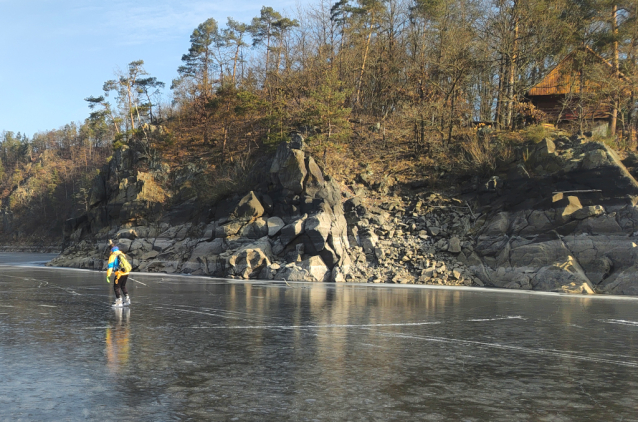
111 265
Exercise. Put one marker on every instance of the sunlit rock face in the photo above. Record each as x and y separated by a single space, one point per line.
295 218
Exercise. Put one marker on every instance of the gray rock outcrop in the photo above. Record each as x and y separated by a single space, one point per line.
569 228
294 229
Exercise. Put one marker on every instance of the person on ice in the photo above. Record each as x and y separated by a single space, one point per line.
121 267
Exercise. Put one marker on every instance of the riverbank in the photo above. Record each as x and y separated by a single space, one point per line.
51 249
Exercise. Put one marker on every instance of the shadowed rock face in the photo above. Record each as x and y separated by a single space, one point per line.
128 191
293 228
570 227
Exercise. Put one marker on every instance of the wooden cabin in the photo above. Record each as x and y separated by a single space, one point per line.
558 95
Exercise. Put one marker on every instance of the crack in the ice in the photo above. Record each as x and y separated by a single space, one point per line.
289 327
547 352
497 319
589 395
619 322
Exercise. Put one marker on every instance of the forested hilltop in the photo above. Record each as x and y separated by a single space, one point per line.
399 89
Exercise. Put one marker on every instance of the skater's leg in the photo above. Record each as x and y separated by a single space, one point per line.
123 280
116 286
125 299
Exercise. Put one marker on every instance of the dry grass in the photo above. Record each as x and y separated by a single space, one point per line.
240 176
534 134
480 154
380 151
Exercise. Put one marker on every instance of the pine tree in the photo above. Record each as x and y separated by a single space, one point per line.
198 63
325 110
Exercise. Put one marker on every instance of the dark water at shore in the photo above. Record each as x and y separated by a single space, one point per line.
205 349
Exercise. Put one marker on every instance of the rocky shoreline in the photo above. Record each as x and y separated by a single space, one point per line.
559 216
30 249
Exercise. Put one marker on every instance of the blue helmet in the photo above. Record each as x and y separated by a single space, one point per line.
114 249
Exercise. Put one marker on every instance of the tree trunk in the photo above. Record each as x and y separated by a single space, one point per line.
235 63
498 117
267 50
205 75
117 128
632 59
205 119
632 120
281 46
365 58
451 125
224 144
512 75
615 62
130 105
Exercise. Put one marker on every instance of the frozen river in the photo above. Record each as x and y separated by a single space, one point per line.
203 349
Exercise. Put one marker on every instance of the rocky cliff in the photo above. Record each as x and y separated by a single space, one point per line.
563 219
291 227
556 216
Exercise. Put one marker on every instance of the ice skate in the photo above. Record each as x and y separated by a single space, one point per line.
118 303
126 301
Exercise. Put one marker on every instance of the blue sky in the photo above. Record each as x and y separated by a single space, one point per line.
55 53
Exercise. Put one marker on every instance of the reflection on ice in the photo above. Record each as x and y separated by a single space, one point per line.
194 348
117 341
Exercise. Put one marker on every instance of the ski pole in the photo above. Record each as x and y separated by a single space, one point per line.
137 281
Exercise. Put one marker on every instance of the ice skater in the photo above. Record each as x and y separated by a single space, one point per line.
121 267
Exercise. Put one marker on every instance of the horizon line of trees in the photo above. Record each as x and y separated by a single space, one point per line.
430 67
434 66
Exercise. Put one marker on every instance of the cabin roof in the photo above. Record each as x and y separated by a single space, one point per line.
563 78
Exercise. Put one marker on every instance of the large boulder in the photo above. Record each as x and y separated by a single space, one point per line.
292 272
290 231
315 181
162 244
178 232
256 230
369 241
622 283
249 207
454 246
544 153
248 261
317 227
126 234
316 268
139 246
289 168
275 224
231 228
338 239
596 159
124 245
205 249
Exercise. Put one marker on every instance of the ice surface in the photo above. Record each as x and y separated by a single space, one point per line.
195 348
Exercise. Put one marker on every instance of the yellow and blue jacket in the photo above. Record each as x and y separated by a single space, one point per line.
118 264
